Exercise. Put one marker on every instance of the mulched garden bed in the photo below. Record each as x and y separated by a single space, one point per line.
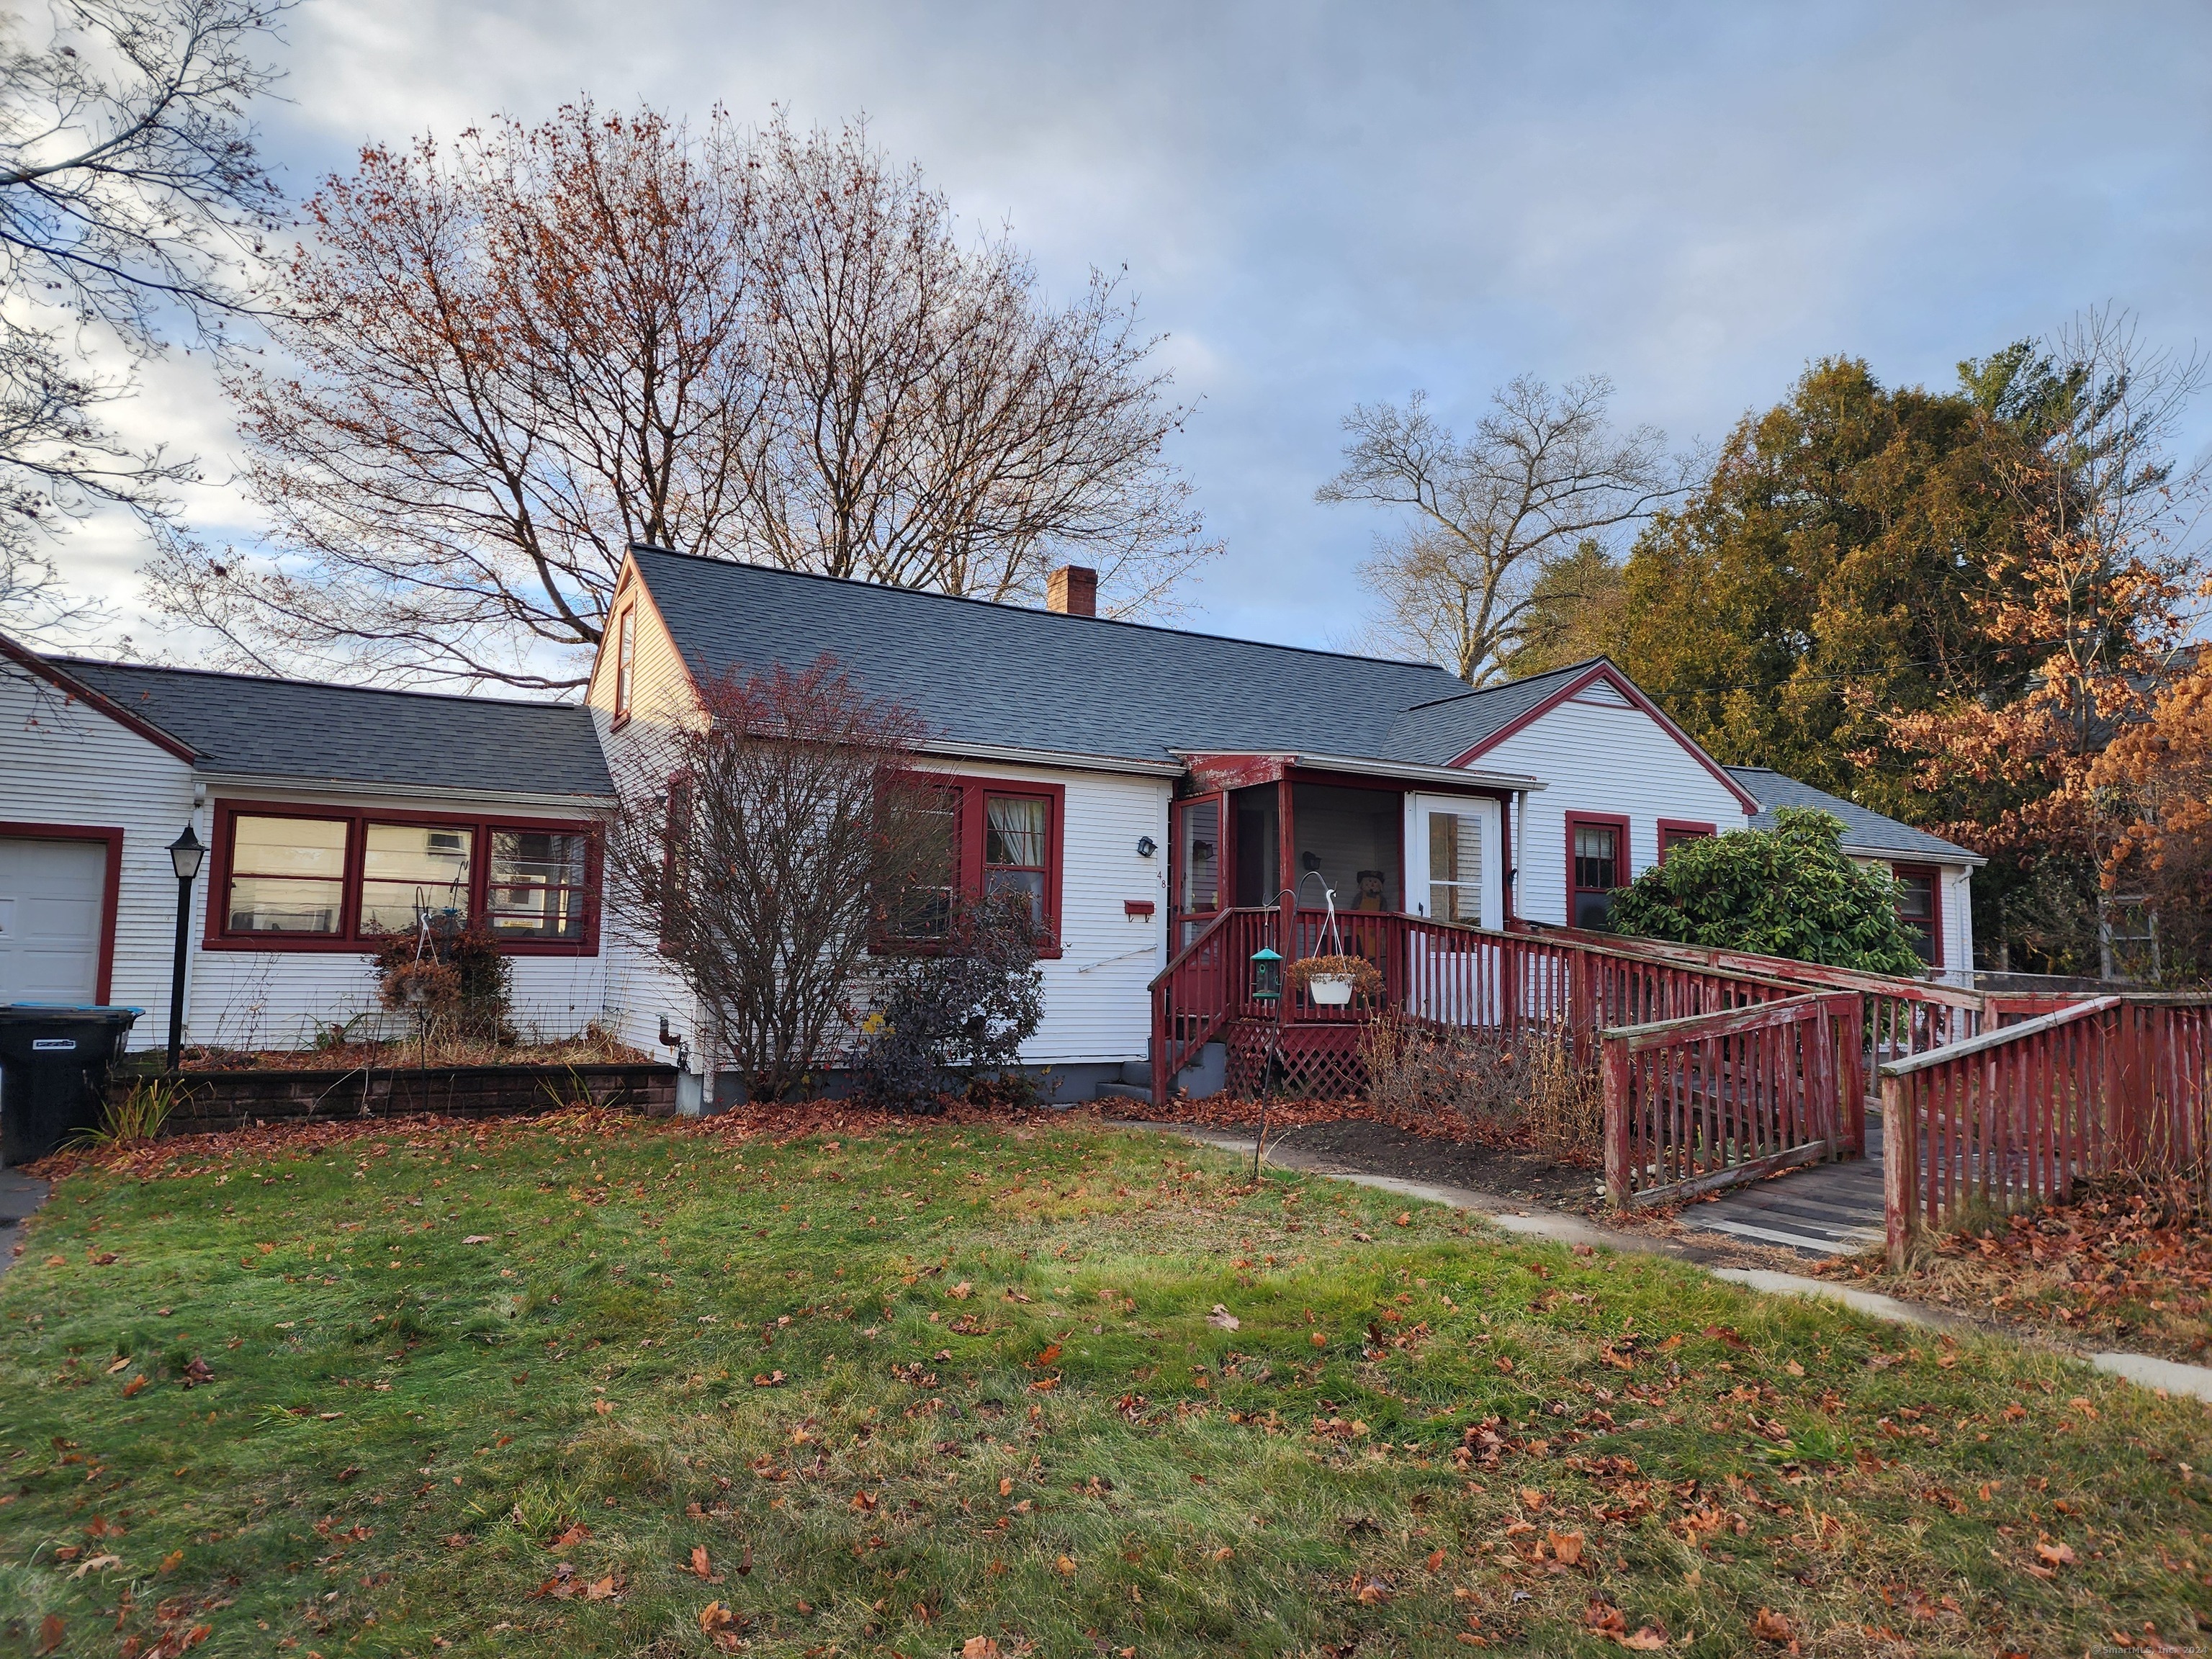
2127 1266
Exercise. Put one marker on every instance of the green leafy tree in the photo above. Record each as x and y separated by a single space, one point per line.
1788 891
1825 576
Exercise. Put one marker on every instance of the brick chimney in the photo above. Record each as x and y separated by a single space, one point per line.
1073 590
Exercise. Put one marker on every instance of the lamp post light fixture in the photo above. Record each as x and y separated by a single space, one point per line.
185 855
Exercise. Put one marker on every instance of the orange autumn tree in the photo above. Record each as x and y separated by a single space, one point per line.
2093 590
2158 775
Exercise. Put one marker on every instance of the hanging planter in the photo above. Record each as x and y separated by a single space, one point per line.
1332 981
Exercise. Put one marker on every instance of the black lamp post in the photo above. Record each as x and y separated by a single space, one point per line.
184 856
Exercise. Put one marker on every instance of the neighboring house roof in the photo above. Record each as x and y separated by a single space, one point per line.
1864 832
296 732
980 673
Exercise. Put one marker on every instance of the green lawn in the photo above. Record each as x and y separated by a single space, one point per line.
595 1386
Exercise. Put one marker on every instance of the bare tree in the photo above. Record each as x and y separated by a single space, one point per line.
512 361
131 197
760 846
1542 472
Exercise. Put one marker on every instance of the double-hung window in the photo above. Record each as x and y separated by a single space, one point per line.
987 838
1918 909
1597 862
288 876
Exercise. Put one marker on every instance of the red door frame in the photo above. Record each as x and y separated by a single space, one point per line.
1224 873
104 975
1625 859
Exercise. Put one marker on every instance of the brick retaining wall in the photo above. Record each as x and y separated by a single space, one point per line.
235 1100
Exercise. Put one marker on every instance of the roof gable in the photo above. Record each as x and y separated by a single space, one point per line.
74 688
1487 717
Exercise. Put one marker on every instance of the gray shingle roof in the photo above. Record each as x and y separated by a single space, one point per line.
978 672
300 731
1864 831
1438 732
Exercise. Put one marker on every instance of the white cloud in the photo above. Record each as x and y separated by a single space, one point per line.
1323 203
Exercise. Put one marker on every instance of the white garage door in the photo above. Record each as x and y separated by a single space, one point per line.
51 895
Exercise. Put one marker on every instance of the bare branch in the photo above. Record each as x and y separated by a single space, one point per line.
1542 472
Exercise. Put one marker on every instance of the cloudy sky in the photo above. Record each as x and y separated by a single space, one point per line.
1321 204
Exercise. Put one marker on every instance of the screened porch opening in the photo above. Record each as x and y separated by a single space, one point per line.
1355 840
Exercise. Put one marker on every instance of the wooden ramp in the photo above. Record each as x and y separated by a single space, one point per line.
1822 1210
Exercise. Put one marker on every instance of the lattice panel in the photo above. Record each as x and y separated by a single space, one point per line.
1312 1062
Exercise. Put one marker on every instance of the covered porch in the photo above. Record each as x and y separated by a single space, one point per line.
1263 831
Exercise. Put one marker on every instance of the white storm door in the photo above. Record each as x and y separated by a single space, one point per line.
1455 862
52 916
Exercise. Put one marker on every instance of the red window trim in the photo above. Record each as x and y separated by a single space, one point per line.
1683 827
1934 877
1625 867
103 978
349 940
969 879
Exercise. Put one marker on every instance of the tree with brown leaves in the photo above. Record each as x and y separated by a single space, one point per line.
760 846
508 360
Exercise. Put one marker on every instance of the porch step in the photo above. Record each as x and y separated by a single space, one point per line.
1136 1091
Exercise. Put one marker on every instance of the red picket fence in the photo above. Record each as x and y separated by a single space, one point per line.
1710 1100
2016 1115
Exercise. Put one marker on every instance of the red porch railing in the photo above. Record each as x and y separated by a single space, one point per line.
1431 973
1694 1104
2015 1116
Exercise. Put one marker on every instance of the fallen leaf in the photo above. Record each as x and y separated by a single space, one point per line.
1726 1333
768 1379
1649 1638
1222 1319
96 1563
1006 1486
604 1408
575 1534
699 1566
1603 1619
1531 1499
1566 1547
1051 1352
1435 1560
1403 1219
864 1501
1223 1553
50 1628
961 1292
713 1617
477 1238
599 1588
134 1385
104 1259
979 1647
171 1562
1066 1567
118 1365
1371 1592
2059 1555
1319 1341
1794 1369
1774 1627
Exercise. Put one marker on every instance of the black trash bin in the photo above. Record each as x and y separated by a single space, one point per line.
53 1067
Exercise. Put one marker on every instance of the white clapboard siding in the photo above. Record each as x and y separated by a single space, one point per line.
64 764
640 990
1601 757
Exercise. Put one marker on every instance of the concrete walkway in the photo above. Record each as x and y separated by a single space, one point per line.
1512 1216
19 1196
